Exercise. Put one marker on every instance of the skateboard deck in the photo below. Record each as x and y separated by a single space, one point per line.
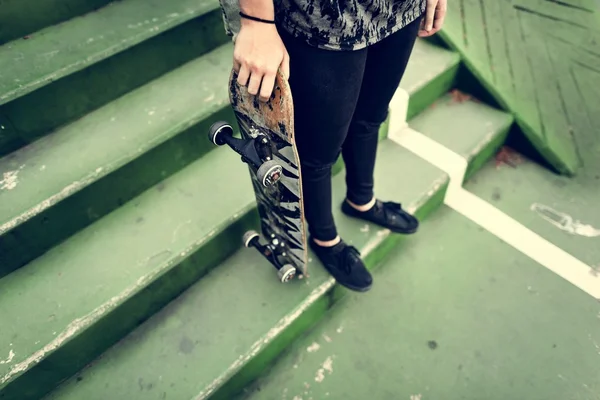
267 145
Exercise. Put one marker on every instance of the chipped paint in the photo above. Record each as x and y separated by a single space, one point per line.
415 397
313 347
9 180
320 375
340 329
11 355
564 221
327 366
327 338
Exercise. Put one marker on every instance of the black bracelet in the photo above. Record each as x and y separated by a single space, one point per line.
266 21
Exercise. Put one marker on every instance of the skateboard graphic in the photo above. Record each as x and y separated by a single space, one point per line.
268 147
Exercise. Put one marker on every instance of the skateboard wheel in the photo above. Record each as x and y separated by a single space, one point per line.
249 237
286 273
269 173
218 131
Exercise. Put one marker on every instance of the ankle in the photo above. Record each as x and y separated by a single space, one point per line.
364 207
327 243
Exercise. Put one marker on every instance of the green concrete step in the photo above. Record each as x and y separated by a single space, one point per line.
67 306
467 127
22 17
455 313
431 72
69 179
65 71
224 330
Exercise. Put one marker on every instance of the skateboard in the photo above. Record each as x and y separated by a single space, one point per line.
267 145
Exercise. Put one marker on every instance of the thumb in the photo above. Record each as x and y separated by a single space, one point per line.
429 14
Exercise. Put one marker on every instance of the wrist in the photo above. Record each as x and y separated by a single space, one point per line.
256 19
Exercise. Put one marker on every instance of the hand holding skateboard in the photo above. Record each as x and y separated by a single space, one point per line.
258 54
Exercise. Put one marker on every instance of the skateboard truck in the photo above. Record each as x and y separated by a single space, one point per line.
271 251
256 152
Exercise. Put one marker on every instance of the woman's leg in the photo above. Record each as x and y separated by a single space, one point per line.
385 66
325 87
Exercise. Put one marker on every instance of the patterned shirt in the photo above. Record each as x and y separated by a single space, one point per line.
336 24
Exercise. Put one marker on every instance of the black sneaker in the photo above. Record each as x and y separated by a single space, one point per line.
389 215
343 262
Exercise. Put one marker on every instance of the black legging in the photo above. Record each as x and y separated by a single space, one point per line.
341 99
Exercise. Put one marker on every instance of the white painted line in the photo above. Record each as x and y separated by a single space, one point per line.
451 163
490 218
526 241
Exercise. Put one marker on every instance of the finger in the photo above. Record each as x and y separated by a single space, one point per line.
266 88
254 83
285 65
236 66
243 75
429 14
440 16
